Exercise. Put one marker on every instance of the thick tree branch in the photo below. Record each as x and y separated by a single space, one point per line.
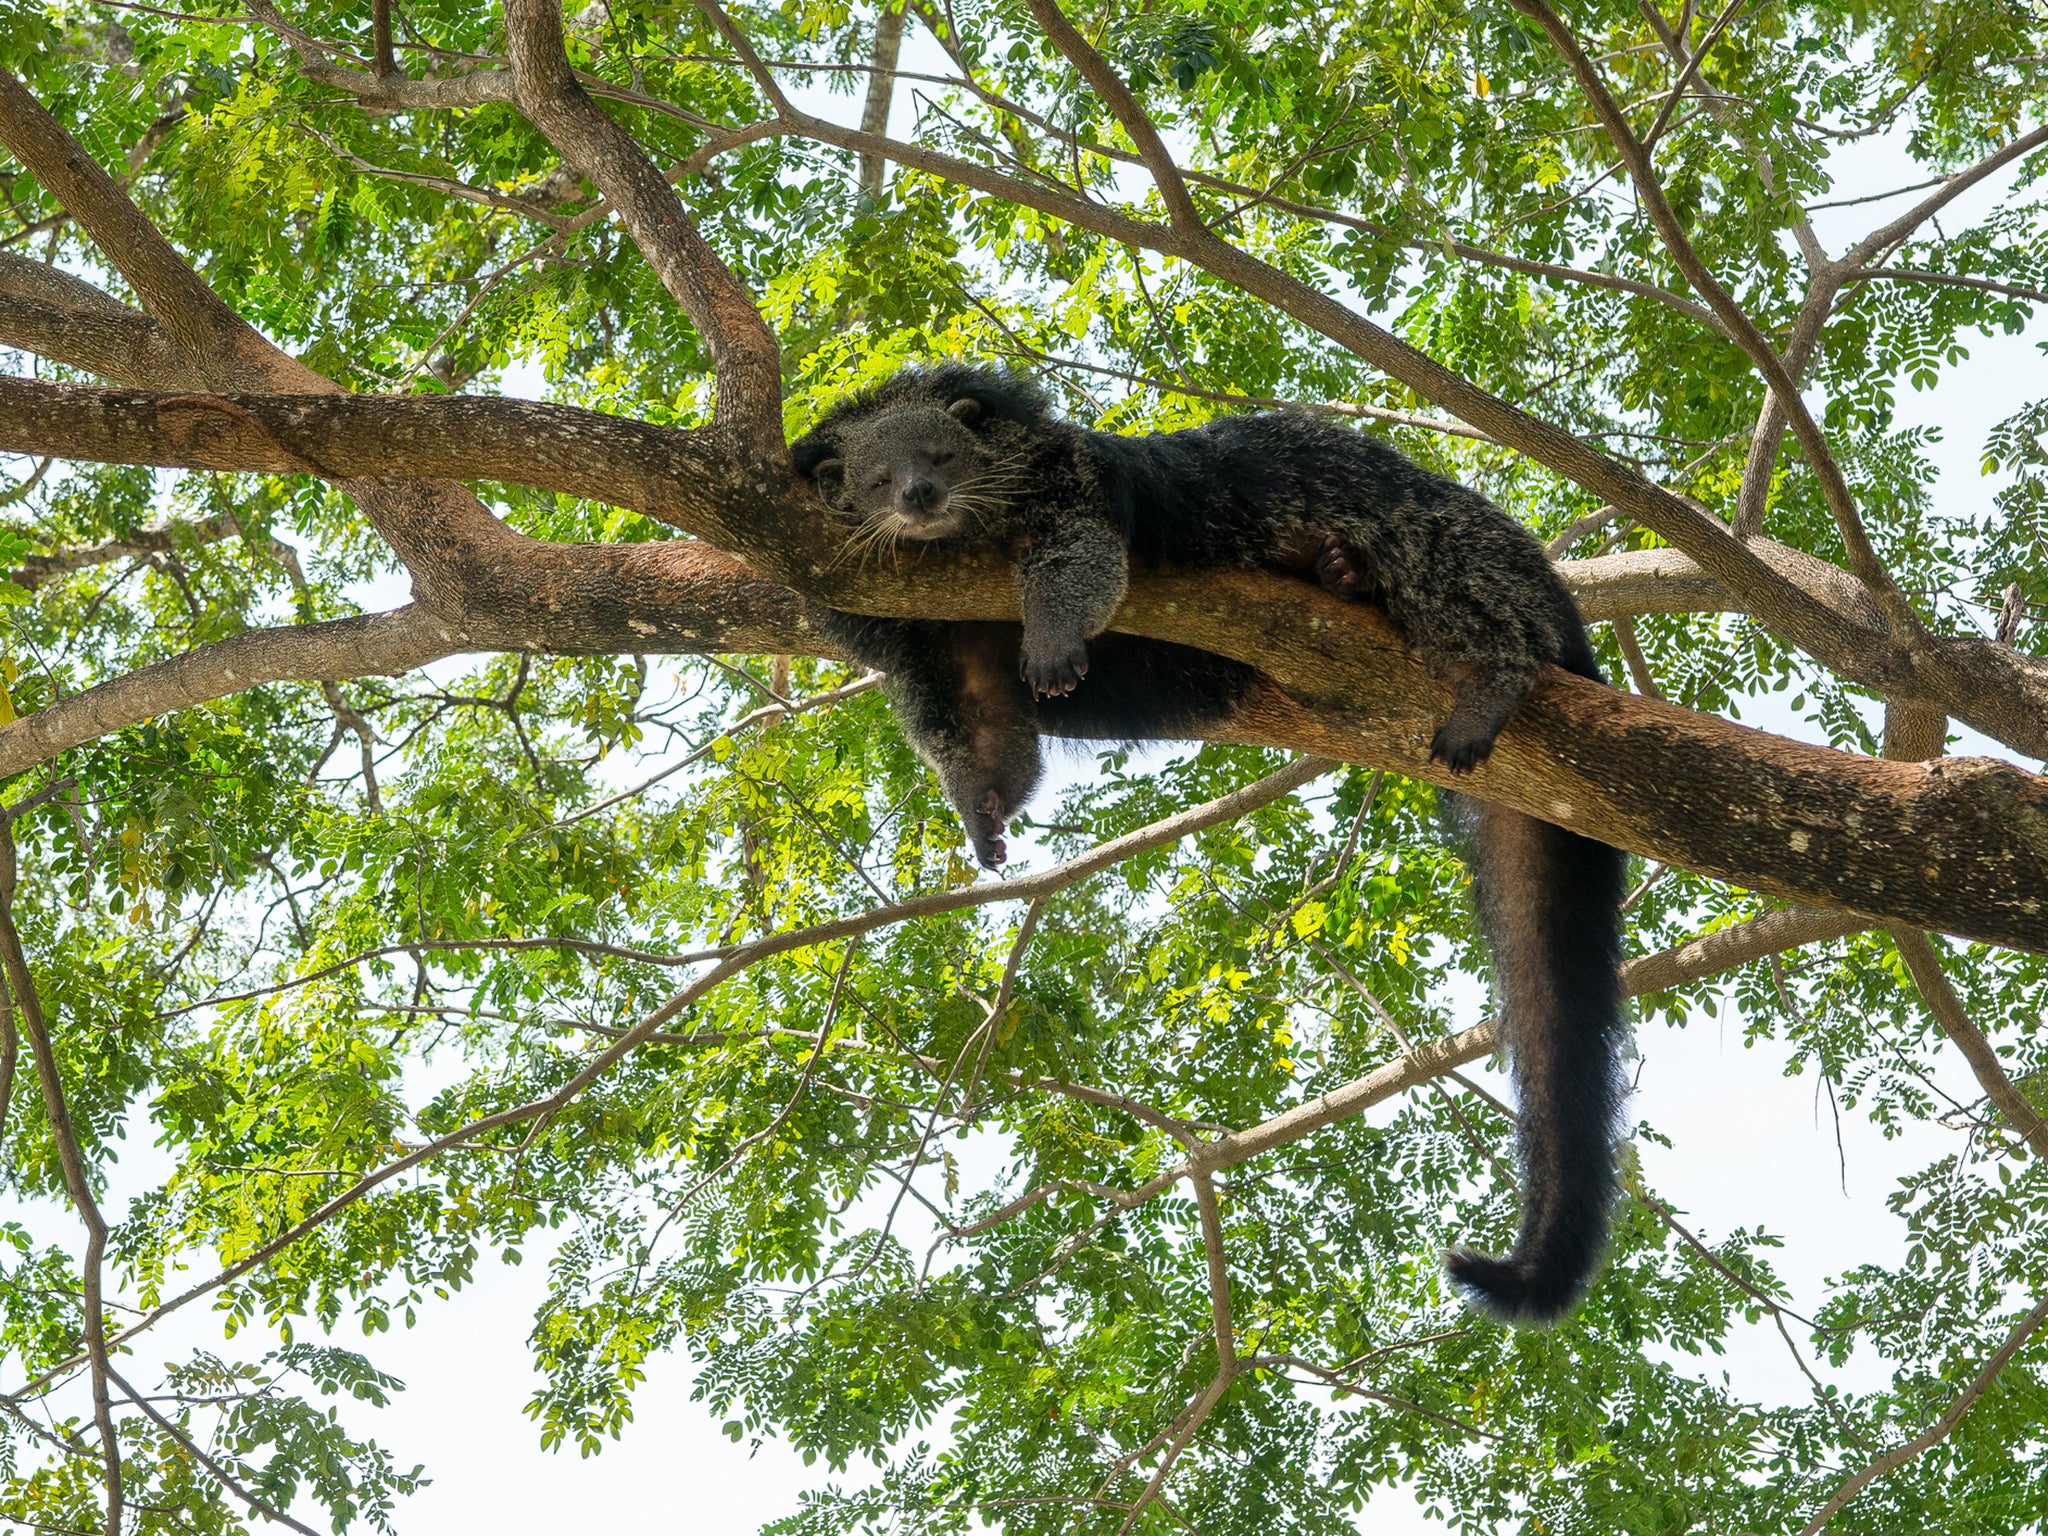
215 343
744 353
1964 846
383 644
58 316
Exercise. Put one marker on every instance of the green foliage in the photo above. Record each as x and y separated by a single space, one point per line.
813 1178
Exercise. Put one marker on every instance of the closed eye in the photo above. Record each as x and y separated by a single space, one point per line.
942 458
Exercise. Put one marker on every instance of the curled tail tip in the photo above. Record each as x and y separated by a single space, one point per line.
1513 1292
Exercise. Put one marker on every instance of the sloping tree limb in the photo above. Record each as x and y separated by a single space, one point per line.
746 359
61 317
1911 734
215 343
1937 1432
1109 86
1828 276
1841 501
198 1453
1709 955
1925 967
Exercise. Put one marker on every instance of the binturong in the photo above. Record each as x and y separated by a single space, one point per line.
959 453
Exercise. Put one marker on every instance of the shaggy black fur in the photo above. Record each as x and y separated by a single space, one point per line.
957 452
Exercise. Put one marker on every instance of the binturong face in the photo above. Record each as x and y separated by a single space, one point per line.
911 472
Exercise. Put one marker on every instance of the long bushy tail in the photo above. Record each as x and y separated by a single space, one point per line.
1550 902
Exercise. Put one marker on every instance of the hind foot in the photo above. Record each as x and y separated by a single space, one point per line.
1341 571
985 826
1462 745
1465 739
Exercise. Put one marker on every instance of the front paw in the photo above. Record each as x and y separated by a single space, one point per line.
1461 747
1053 669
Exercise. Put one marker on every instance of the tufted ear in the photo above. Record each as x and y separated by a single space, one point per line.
811 450
966 410
829 476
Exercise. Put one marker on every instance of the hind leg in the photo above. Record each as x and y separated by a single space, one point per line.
1489 691
987 755
958 698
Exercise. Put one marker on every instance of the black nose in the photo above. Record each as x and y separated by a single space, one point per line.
921 494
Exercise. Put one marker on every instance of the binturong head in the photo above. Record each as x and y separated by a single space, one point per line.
931 452
908 471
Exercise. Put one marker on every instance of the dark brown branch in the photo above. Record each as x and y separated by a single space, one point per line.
744 353
382 59
1108 85
214 342
1863 557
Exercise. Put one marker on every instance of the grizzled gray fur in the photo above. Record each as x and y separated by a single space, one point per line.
961 453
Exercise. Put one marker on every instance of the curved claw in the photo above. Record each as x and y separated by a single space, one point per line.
1459 749
1051 674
